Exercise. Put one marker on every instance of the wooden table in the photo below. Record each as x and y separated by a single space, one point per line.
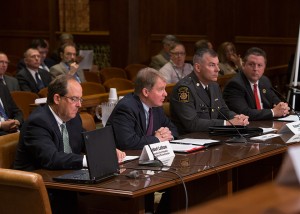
268 198
217 171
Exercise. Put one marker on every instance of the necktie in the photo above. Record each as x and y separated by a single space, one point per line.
39 82
2 81
65 136
207 91
150 123
256 97
2 113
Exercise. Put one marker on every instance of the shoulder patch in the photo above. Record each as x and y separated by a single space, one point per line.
183 94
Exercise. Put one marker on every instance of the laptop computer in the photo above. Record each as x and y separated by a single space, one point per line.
101 158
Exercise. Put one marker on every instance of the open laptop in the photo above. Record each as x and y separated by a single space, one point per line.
101 158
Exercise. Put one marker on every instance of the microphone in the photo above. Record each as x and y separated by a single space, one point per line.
240 138
152 163
284 100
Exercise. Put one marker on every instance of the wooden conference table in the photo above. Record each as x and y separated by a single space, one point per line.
216 171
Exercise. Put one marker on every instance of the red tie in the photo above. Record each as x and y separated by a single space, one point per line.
150 123
256 97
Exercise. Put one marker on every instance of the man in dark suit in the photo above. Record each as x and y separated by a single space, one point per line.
130 118
11 82
32 78
42 46
11 116
251 93
196 101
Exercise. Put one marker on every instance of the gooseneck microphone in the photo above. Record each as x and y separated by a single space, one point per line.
152 163
284 100
240 138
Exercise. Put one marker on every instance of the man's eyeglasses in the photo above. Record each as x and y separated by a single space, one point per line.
4 62
74 99
178 53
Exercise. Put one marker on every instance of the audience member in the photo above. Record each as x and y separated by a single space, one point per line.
203 43
251 93
196 102
42 46
32 78
176 68
131 118
68 64
163 57
63 39
11 82
230 61
11 116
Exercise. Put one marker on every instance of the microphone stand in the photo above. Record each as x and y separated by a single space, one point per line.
240 138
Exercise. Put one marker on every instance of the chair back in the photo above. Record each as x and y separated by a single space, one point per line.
89 88
222 80
8 148
92 76
132 70
88 122
118 83
23 99
43 92
112 72
23 192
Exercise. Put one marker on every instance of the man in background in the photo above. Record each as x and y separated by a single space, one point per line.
163 57
11 82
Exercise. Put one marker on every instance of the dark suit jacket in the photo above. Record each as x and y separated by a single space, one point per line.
10 107
41 143
11 83
27 82
190 106
240 98
129 123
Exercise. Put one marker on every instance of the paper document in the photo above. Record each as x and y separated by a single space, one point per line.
185 148
290 118
268 130
264 137
87 61
192 141
130 158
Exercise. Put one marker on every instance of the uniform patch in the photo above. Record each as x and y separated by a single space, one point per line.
183 94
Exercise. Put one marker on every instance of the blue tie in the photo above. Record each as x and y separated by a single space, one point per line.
2 113
39 82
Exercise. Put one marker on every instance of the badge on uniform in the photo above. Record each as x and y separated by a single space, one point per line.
183 94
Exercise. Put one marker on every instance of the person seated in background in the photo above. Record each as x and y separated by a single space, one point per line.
176 68
11 117
203 43
131 118
11 82
68 64
42 46
230 61
196 101
163 57
32 78
251 93
43 145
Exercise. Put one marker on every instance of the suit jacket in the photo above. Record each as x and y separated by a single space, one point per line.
10 107
239 97
159 60
11 83
27 82
192 110
41 144
129 123
60 68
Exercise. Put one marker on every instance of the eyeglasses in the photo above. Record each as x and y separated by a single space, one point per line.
4 62
74 99
178 53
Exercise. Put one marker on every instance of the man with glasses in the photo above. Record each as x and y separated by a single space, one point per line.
251 93
51 138
32 77
68 64
176 68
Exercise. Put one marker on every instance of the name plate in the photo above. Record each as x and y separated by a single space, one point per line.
161 151
293 127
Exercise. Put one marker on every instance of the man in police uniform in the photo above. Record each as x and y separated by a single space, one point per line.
196 101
